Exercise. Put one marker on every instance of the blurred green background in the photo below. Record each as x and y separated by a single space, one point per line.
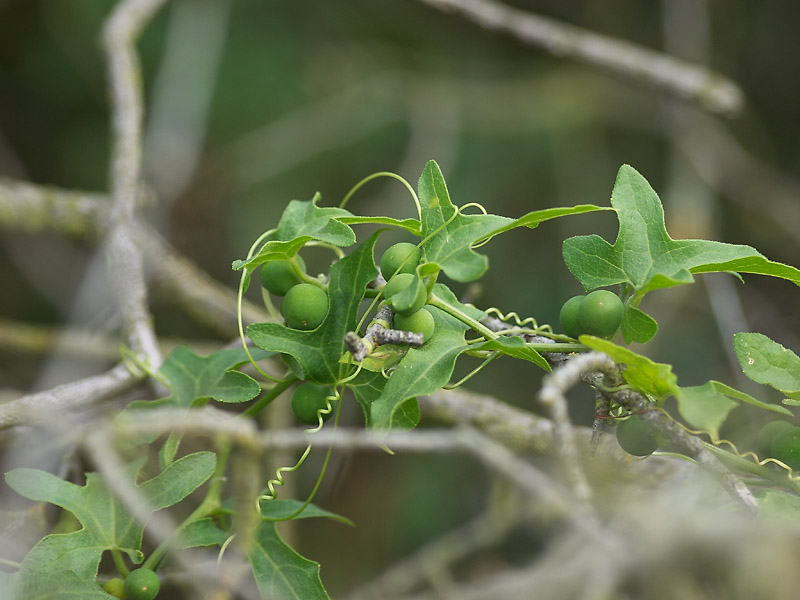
252 104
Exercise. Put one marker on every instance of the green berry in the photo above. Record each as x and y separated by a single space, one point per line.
405 293
569 317
304 306
418 322
307 399
600 313
142 584
279 276
768 433
636 436
116 587
402 257
786 447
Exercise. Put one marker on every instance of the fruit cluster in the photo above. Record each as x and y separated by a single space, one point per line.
598 313
304 305
405 291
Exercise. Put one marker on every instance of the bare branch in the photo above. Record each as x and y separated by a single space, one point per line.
44 406
36 208
124 258
680 78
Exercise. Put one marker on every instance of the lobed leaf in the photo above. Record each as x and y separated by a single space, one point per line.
107 524
448 235
646 258
280 572
316 353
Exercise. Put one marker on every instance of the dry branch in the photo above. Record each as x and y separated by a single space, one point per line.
677 77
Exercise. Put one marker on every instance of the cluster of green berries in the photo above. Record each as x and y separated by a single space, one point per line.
598 313
405 292
304 305
780 440
140 584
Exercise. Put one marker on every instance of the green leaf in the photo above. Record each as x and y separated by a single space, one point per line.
410 225
194 378
727 390
423 370
106 522
280 572
704 408
777 505
652 378
307 219
277 510
534 218
637 326
201 533
516 347
317 352
448 236
645 257
57 585
767 362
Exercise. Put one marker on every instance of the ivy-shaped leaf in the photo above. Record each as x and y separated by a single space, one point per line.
423 370
320 223
56 585
768 362
448 236
277 510
646 258
194 379
107 524
280 572
316 353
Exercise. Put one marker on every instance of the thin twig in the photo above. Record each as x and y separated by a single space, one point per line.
680 78
67 397
36 208
120 32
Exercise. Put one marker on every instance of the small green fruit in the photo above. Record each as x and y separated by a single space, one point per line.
405 293
768 433
600 313
636 436
418 322
568 317
279 276
142 584
786 448
116 587
400 258
304 307
307 399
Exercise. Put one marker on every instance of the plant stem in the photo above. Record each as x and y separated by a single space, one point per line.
780 478
210 503
434 300
276 391
119 562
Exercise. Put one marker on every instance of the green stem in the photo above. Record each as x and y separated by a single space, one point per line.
10 563
119 562
487 333
211 502
780 478
434 300
276 391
